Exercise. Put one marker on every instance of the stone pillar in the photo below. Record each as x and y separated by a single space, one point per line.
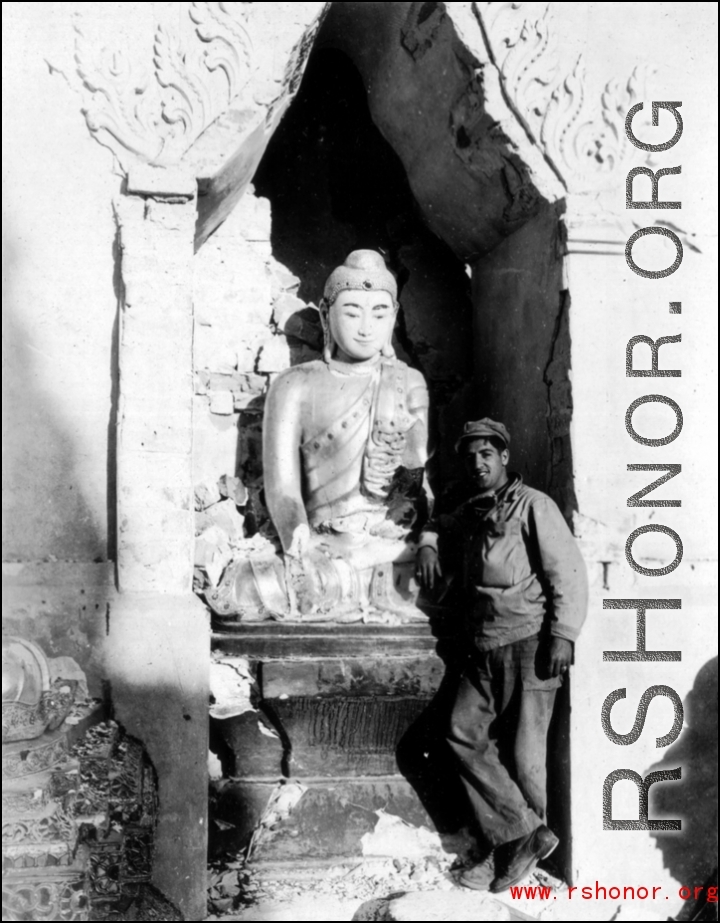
519 312
154 463
157 650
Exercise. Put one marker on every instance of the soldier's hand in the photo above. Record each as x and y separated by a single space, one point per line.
560 656
427 567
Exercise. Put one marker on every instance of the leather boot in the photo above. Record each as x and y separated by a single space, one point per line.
522 857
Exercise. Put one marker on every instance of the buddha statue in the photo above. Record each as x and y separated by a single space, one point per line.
344 453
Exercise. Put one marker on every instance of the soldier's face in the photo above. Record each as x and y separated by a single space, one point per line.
486 465
361 323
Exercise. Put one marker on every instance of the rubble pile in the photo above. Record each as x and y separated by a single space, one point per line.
365 888
398 858
403 868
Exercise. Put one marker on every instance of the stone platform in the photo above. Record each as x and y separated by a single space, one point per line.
352 716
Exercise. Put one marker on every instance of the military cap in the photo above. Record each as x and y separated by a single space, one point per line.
483 429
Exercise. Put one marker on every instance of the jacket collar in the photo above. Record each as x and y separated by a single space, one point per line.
486 503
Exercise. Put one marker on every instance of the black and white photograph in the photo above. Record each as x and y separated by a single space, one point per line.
359 461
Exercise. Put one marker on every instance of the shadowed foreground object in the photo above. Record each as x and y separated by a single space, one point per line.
79 801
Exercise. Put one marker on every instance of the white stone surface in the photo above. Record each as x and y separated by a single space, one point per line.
275 355
59 303
312 909
392 837
431 905
222 403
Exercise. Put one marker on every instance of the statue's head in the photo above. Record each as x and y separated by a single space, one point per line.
359 308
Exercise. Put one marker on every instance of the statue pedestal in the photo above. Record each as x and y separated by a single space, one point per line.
350 722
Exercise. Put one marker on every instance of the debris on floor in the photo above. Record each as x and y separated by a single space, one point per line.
401 888
392 836
433 905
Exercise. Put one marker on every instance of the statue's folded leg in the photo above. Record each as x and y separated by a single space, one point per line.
252 589
393 588
318 587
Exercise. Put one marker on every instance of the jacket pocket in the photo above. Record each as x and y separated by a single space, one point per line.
534 682
504 560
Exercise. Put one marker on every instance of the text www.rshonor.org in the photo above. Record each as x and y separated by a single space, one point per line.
602 893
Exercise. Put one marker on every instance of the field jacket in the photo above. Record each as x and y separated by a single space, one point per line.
519 565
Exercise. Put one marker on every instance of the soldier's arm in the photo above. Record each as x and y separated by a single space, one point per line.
445 529
564 570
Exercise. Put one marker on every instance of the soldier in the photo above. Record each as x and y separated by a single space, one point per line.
525 587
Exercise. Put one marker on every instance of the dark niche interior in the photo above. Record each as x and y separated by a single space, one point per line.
335 184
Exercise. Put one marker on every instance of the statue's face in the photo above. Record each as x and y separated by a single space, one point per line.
361 323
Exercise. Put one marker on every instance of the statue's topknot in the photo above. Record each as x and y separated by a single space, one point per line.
363 270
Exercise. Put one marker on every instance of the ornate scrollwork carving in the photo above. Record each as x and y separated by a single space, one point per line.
81 845
44 900
582 138
156 113
588 141
45 755
57 827
22 722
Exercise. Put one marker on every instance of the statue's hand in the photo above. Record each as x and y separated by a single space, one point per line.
427 567
301 541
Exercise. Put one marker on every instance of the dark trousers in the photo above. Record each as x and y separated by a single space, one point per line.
498 731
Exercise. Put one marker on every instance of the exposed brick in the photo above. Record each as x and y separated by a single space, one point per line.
225 516
284 308
206 494
249 403
233 489
275 355
254 213
222 403
282 279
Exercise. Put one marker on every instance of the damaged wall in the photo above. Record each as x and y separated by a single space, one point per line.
333 184
337 184
425 91
245 301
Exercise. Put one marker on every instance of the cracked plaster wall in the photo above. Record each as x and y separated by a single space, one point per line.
59 314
